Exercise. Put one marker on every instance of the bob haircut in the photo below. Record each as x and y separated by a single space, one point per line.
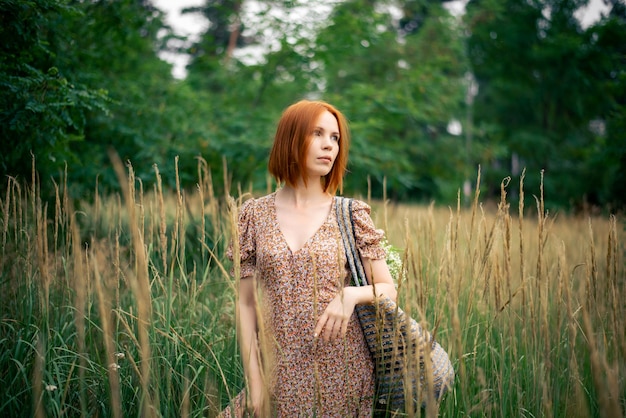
293 138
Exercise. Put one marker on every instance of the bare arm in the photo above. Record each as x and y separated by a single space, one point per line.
249 344
381 282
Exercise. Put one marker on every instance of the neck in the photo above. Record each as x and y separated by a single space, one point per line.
303 196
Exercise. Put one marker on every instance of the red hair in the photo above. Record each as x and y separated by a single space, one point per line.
293 138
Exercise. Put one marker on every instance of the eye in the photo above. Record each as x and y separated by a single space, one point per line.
317 132
335 138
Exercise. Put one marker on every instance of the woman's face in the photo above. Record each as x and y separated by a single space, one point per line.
324 146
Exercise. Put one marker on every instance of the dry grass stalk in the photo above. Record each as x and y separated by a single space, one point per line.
162 223
179 224
140 285
80 286
104 304
604 377
37 379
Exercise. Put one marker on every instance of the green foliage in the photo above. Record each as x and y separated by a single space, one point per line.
609 155
114 47
43 110
543 82
400 91
82 79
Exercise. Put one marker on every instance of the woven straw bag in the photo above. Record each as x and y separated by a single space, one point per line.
398 344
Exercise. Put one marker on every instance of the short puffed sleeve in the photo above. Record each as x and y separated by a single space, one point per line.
368 238
247 239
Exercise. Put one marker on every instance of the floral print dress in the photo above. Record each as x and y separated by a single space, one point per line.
309 377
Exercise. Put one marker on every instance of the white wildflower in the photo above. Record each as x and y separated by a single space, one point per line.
394 260
114 367
51 388
120 355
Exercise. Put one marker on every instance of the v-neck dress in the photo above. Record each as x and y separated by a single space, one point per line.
309 377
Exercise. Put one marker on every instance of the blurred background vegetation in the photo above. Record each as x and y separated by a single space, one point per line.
115 294
509 85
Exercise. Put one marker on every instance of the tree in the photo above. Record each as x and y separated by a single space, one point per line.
84 79
400 88
214 49
541 83
114 46
43 109
246 99
608 168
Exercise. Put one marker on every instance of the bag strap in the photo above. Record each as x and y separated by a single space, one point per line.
343 209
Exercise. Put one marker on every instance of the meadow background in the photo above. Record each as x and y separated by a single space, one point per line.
124 306
491 144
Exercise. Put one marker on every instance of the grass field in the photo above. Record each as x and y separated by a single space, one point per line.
124 306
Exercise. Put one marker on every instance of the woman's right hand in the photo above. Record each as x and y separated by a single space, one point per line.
333 323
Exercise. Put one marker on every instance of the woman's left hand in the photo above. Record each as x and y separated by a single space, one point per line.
333 324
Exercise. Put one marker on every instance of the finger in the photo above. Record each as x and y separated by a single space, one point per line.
319 327
344 327
328 329
337 327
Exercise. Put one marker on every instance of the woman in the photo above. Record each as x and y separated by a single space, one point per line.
316 362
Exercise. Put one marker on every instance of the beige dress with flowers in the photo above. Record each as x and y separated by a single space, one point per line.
310 377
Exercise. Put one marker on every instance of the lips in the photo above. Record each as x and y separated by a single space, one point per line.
326 159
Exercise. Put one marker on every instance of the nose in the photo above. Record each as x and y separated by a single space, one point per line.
327 142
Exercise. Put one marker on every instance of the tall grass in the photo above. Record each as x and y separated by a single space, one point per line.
124 306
